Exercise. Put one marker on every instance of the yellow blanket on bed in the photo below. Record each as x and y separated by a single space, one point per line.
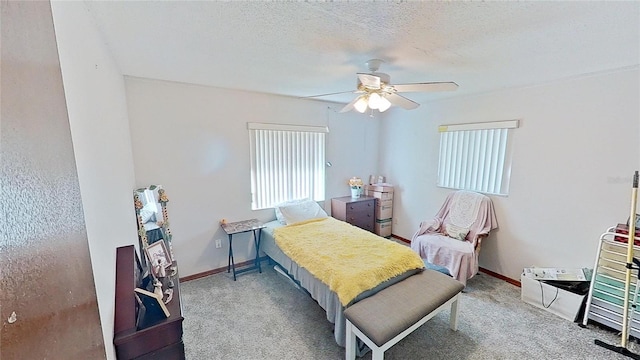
347 259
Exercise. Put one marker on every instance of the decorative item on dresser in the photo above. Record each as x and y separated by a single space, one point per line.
355 183
359 212
134 335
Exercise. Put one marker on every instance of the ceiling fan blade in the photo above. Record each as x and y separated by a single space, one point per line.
402 101
369 81
335 93
349 106
426 87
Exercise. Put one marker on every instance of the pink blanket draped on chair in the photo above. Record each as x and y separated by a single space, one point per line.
464 209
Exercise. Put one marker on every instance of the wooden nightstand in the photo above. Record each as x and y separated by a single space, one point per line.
358 212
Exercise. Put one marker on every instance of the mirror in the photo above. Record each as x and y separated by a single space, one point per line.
153 219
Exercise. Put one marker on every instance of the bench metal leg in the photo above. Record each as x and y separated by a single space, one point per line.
453 316
351 342
377 352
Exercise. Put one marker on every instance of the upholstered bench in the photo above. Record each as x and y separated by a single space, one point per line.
386 317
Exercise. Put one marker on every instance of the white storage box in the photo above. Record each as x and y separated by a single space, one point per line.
384 211
383 228
379 194
379 191
566 305
379 187
384 203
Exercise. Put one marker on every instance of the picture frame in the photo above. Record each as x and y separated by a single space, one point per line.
138 270
157 252
151 309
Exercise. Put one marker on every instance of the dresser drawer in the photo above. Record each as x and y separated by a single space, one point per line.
357 212
361 219
361 206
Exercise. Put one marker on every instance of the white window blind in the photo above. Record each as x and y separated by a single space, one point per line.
476 157
287 163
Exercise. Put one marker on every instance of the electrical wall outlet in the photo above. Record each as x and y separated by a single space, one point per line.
218 243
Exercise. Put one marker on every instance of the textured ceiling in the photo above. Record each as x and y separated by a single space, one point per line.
309 48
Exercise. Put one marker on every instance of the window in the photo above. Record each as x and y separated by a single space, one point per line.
476 156
287 163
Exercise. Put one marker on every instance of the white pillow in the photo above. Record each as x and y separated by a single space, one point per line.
456 232
306 210
279 216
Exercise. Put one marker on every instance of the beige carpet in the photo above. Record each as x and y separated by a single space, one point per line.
262 316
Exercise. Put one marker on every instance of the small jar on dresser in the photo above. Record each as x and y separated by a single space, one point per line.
358 212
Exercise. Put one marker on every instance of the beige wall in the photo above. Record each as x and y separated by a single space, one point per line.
572 164
194 141
574 155
95 97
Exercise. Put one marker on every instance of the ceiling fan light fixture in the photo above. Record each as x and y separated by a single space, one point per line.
374 101
377 93
361 104
384 104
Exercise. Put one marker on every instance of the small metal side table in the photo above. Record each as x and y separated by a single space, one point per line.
252 225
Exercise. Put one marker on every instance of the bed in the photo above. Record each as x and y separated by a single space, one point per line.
332 301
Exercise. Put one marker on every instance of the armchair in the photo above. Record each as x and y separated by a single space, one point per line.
453 237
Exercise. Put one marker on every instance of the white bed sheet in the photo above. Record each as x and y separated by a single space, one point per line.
319 291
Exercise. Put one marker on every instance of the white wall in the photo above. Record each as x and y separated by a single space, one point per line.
574 157
96 102
194 141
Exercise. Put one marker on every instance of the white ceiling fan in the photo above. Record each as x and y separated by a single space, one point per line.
377 93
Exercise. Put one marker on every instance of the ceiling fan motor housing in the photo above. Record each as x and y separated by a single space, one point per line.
374 64
376 92
385 80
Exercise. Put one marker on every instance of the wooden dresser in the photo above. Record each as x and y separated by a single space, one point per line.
160 341
358 212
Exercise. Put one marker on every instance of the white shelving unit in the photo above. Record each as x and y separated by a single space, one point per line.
606 293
